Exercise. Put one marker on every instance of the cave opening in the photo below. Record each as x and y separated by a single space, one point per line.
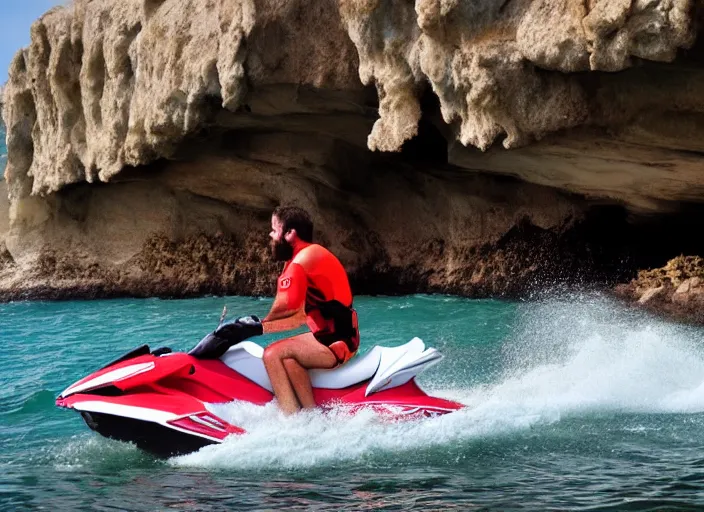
657 238
695 53
611 244
429 146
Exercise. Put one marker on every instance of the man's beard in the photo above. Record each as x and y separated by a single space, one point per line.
281 250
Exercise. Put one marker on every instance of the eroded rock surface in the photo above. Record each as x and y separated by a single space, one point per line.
106 84
442 145
676 289
200 225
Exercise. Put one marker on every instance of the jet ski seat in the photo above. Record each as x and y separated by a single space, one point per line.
246 359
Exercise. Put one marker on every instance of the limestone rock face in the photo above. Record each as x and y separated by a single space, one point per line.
105 85
200 225
485 60
108 84
442 145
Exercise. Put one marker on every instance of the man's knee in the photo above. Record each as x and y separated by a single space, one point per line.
271 354
275 352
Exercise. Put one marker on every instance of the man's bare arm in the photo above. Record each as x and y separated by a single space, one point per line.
281 318
287 312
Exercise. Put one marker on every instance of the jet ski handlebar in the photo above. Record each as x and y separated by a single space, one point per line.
216 343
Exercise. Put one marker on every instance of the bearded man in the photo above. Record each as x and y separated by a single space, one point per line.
313 289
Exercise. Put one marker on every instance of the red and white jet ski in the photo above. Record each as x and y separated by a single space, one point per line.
157 400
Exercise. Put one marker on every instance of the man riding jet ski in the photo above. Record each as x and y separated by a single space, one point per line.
159 399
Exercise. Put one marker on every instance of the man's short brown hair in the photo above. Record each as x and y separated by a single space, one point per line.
293 217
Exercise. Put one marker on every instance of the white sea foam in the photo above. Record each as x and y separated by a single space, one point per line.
566 358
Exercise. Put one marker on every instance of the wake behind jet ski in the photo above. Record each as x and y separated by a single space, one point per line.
158 399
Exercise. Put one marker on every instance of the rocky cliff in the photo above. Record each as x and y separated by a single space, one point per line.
480 148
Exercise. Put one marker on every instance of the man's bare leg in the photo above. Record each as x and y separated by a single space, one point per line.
283 390
300 380
309 353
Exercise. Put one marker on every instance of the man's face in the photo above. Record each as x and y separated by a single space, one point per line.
281 250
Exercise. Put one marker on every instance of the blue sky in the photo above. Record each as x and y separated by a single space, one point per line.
16 16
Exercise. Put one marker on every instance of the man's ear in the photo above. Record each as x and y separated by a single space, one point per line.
290 235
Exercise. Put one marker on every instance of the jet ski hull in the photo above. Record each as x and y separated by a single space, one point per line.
151 437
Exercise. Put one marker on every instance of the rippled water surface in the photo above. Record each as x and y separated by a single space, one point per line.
572 403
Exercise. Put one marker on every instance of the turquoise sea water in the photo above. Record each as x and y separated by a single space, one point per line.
573 404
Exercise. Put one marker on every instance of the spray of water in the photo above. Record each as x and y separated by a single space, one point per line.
586 353
566 357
